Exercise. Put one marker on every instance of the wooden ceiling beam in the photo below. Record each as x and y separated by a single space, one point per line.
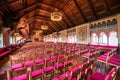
68 18
57 25
24 3
66 23
80 10
57 28
47 11
51 27
33 20
93 9
107 6
60 25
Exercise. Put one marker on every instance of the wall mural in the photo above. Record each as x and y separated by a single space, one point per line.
82 33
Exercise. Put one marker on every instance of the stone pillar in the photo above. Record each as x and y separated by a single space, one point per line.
107 39
6 41
118 24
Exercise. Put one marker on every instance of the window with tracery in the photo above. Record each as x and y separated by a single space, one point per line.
103 39
113 40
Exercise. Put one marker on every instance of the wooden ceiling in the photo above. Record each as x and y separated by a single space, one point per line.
75 12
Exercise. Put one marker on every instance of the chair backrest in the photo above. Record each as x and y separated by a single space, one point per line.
112 74
62 60
14 73
3 75
110 54
75 73
38 66
70 57
50 63
66 77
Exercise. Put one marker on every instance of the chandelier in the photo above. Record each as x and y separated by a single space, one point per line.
38 32
44 27
56 16
16 34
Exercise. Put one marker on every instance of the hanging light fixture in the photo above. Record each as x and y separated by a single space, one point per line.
56 15
44 27
16 34
38 32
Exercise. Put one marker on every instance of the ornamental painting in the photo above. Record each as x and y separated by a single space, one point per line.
82 33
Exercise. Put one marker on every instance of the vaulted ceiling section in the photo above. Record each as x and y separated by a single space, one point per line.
74 12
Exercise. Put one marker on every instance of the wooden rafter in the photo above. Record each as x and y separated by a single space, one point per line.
68 18
51 27
57 27
107 6
93 10
80 10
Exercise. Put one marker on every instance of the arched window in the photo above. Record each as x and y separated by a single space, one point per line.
68 38
113 40
75 40
1 41
94 38
59 39
103 39
11 39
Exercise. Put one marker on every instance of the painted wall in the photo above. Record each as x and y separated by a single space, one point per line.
118 19
83 32
36 36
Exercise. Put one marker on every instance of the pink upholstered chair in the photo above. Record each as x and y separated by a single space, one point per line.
49 69
63 76
99 76
60 65
19 74
37 71
3 75
74 75
69 61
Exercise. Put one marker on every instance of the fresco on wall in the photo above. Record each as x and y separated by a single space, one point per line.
82 33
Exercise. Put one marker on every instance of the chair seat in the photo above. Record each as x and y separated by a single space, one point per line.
114 62
29 63
49 69
37 73
38 61
16 66
59 65
63 75
21 77
89 69
83 73
97 76
47 59
113 70
74 79
61 56
54 57
69 63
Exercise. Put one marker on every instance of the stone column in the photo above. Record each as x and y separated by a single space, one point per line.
6 41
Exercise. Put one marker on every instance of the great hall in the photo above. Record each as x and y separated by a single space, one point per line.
59 39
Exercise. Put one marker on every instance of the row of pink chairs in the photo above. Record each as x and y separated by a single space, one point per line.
77 72
41 70
110 76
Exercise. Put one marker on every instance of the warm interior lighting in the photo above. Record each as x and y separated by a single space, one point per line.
17 34
44 27
38 32
56 16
